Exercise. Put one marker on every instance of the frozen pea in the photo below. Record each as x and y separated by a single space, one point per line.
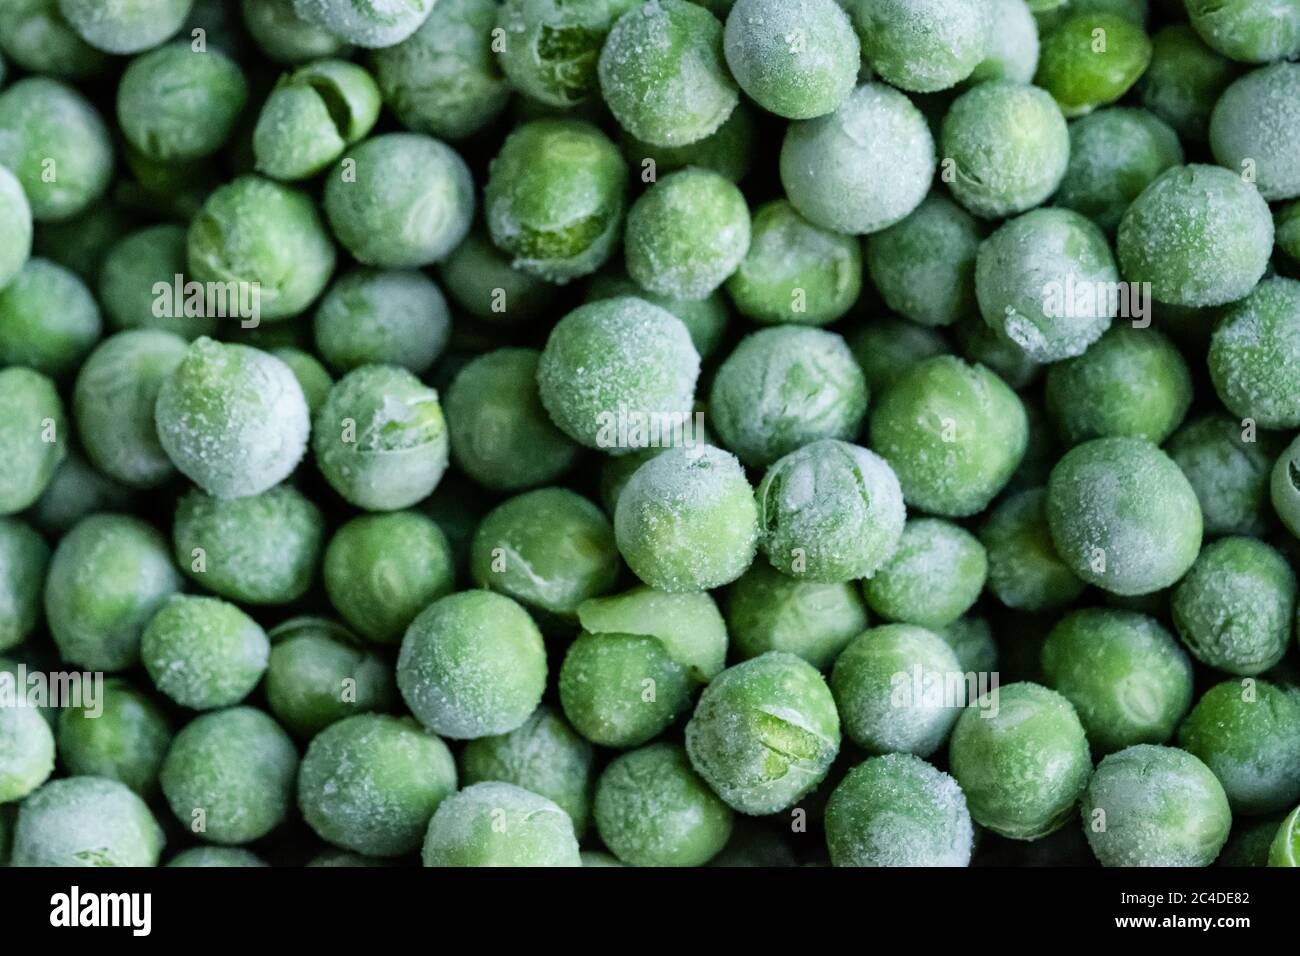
232 419
887 347
686 520
256 233
795 272
1248 734
49 128
1005 148
795 58
1155 806
312 116
318 674
26 750
108 577
284 36
16 247
1130 382
981 344
1114 154
33 436
1184 80
1248 30
371 317
549 48
543 755
923 46
862 168
1200 235
204 653
687 234
550 549
924 266
1025 572
228 776
897 810
176 104
1228 466
36 37
935 574
1083 73
480 279
1235 609
705 319
136 268
367 23
1254 354
617 357
689 625
48 319
764 733
785 387
953 433
663 75
1284 487
85 821
1285 848
1012 49
555 198
116 391
1123 516
1124 673
312 377
382 570
75 491
728 151
771 611
216 856
125 26
380 439
1021 757
652 809
400 200
830 511
971 639
444 79
24 559
499 824
472 665
370 783
894 687
1042 280
500 433
124 737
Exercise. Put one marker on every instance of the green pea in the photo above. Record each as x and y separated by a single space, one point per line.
33 438
652 809
228 776
935 574
1124 673
1012 50
36 37
284 36
125 26
1024 570
204 653
480 279
971 639
550 48
728 151
48 319
499 824
24 558
925 46
924 266
1091 60
1284 487
85 821
897 810
1155 806
134 268
367 23
312 116
1285 848
75 491
1228 467
124 738
1021 757
17 213
217 856
689 625
392 317
887 347
26 751
1184 80
1248 31
1252 352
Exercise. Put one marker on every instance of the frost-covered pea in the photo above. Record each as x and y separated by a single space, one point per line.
16 246
481 279
1012 49
863 167
924 266
125 737
390 317
284 36
134 267
125 26
1248 30
1024 571
48 319
887 347
26 750
728 151
203 653
367 23
312 116
24 559
34 35
935 574
923 46
1254 355
33 436
1184 80
550 48
1228 466
85 821
499 824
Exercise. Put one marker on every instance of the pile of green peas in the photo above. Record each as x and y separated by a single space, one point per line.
540 433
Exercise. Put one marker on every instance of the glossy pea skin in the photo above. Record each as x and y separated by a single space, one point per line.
1235 608
785 387
1256 126
108 577
764 733
1125 674
33 436
829 511
923 47
953 432
1229 468
237 766
372 23
381 570
1123 516
125 26
897 810
370 783
24 558
312 116
204 653
1246 31
1021 757
1081 72
1248 734
1155 806
1253 355
499 824
652 809
126 740
134 265
1130 382
935 574
795 272
382 317
770 611
49 320
85 821
16 247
